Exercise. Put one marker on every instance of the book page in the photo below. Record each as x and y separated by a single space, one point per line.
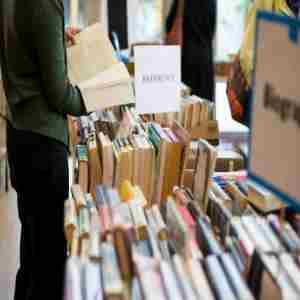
92 54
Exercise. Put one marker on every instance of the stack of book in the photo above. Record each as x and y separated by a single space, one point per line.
243 230
275 276
169 144
197 116
134 234
198 168
147 154
122 248
230 159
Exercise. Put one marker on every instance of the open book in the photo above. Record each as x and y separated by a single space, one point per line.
93 66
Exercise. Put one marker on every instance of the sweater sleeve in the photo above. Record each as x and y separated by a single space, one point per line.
49 45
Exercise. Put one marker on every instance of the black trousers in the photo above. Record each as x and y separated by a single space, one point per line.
39 174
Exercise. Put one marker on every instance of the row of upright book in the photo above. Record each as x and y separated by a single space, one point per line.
149 155
120 247
150 218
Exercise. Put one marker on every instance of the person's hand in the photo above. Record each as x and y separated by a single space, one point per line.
70 34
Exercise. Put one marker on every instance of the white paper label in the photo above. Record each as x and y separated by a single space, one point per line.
157 79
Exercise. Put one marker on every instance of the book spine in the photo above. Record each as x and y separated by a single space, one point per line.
139 220
136 291
205 237
256 234
112 282
123 253
199 280
170 282
158 225
73 287
155 250
240 288
219 281
183 280
84 223
70 220
152 286
78 196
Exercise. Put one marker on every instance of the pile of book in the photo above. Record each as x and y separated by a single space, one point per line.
197 116
198 168
193 112
123 247
113 147
134 234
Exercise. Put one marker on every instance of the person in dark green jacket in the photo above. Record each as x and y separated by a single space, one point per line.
39 97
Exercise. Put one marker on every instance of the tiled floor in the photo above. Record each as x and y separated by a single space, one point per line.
9 244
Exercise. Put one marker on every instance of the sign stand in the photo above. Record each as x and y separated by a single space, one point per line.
275 117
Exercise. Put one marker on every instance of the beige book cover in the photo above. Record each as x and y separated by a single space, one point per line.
196 114
141 162
117 168
148 167
74 244
200 178
83 171
161 161
208 159
136 165
179 138
126 162
172 170
95 169
107 159
93 66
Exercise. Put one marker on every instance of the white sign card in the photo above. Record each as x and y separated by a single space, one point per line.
157 79
275 125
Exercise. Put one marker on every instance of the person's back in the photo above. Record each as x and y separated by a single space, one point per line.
39 96
197 52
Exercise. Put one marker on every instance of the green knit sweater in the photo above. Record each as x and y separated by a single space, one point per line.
34 67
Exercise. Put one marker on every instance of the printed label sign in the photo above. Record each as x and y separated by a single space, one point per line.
275 126
157 79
